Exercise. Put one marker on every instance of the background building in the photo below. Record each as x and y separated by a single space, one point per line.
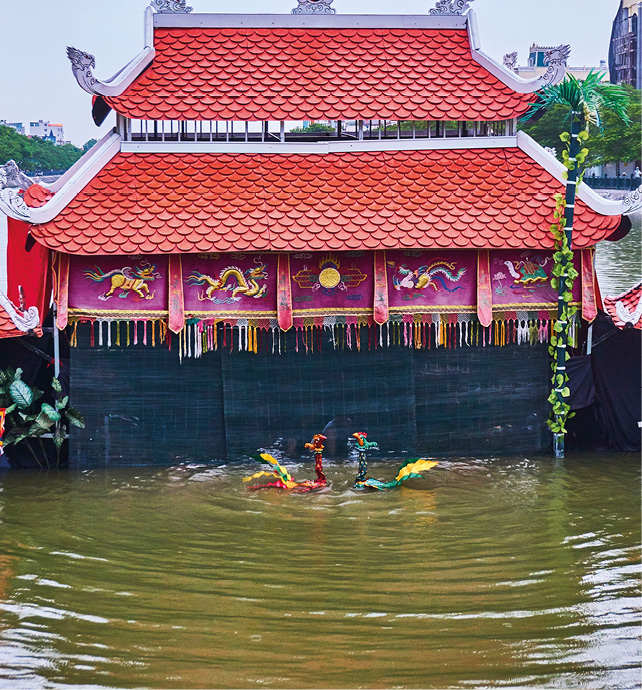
624 51
18 126
49 131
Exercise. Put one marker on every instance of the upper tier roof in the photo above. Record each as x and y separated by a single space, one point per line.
303 73
419 199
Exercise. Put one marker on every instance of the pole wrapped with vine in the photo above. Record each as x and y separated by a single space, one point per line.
585 101
564 275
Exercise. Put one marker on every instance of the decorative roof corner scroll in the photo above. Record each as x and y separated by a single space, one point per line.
556 59
451 7
26 321
510 61
633 201
314 7
171 6
12 182
13 205
81 65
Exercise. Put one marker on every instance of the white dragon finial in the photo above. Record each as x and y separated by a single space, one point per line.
12 176
81 65
555 59
12 181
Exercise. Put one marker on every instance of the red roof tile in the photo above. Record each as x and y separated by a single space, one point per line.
302 74
401 202
36 196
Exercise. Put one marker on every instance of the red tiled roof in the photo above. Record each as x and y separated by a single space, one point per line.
302 74
182 202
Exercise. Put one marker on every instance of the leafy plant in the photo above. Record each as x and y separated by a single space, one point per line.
26 422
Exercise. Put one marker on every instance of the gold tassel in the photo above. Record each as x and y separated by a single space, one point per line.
153 325
118 333
128 341
74 335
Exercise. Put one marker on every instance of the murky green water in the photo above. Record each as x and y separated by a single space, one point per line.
619 264
489 573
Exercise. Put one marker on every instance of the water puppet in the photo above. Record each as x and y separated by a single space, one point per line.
410 469
283 478
316 446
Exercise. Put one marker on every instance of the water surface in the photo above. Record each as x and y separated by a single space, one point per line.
509 572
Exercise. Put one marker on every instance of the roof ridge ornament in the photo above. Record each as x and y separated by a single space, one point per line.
314 7
171 6
451 7
510 61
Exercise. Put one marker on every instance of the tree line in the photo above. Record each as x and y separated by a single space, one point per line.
34 155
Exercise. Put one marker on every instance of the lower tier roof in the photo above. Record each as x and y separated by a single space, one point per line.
423 199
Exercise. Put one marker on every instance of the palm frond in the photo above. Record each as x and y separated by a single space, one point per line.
589 98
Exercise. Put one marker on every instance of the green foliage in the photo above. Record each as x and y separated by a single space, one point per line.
313 127
34 154
25 422
616 140
88 144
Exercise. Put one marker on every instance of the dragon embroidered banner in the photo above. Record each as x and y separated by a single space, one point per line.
317 287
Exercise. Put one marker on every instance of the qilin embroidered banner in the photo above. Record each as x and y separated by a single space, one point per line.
118 287
312 287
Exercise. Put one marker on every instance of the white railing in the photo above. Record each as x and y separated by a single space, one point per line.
279 131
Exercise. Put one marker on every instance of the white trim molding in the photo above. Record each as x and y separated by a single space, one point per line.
311 21
318 148
605 207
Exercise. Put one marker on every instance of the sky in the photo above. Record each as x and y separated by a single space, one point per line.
36 81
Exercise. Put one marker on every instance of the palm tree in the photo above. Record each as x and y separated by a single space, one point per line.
586 101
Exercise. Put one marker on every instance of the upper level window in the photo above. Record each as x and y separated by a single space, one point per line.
323 131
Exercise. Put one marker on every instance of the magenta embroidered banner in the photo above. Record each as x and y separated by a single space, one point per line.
328 283
521 280
316 285
237 285
431 281
126 287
